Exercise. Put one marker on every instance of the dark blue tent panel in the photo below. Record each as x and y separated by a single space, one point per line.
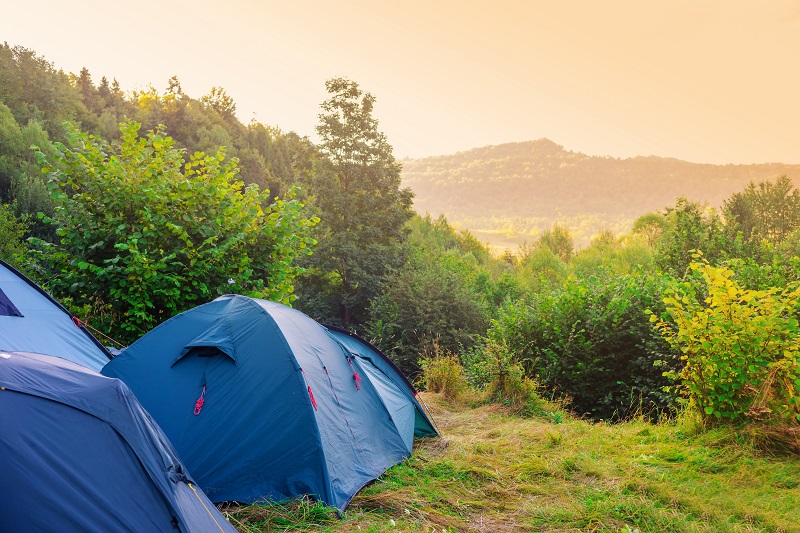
7 307
78 453
41 324
264 404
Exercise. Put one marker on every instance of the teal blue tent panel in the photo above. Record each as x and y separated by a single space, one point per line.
398 404
370 355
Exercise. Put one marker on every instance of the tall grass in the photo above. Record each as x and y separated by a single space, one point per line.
495 471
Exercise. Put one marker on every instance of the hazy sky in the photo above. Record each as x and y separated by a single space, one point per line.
704 81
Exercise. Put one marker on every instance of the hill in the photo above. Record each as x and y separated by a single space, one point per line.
497 472
507 194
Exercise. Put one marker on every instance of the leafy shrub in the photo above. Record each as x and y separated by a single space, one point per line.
625 256
541 268
12 232
425 306
741 347
691 226
591 341
147 234
493 366
443 374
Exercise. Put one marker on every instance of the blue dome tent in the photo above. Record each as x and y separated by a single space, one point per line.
78 453
33 321
263 403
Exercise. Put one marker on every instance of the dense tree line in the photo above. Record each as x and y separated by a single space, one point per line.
343 195
147 203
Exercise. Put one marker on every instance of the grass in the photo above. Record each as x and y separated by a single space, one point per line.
493 471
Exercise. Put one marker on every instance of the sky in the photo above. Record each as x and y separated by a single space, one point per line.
701 80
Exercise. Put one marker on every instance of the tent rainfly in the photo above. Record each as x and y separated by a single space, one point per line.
78 453
33 321
264 403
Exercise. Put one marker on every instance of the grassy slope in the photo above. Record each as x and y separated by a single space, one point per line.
496 472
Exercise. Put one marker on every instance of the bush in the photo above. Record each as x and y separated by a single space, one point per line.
12 233
146 234
591 341
741 347
493 367
443 374
426 306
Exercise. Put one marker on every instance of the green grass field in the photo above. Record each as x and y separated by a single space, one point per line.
493 471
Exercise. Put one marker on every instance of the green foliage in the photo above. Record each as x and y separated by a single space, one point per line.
691 226
362 208
492 280
35 90
438 236
12 231
741 347
423 305
769 211
777 267
650 226
620 257
558 240
220 102
443 297
591 341
11 148
494 368
443 374
149 234
541 269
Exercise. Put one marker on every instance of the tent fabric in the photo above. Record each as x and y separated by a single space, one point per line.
7 307
43 325
383 370
263 403
78 453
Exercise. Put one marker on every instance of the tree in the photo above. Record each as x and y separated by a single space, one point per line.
691 226
34 90
356 192
145 234
11 149
89 94
769 211
558 239
650 226
219 101
21 180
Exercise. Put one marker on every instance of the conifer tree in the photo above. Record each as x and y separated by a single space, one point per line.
363 211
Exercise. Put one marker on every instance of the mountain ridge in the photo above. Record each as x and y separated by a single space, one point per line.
509 193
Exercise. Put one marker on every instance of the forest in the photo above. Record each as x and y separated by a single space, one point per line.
537 183
131 207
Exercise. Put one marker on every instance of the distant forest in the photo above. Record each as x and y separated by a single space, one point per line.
511 193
